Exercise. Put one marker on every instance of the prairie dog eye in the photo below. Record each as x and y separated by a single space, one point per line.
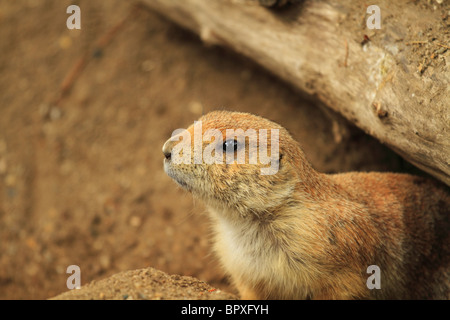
230 145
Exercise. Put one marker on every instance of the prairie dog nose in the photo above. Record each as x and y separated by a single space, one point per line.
172 141
167 149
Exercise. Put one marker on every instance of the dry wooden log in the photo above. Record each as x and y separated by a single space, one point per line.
392 82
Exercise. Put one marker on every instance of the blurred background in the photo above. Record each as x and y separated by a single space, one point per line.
83 117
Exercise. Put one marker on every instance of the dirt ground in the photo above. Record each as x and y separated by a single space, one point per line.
81 178
146 284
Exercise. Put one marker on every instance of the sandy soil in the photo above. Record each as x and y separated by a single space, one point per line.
81 178
146 284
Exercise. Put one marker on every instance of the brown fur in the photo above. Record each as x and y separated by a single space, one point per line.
301 234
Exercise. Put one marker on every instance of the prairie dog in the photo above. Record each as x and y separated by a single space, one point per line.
301 234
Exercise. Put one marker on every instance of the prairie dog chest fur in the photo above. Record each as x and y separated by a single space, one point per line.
244 246
256 256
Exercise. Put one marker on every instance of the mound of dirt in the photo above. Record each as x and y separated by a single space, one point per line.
146 284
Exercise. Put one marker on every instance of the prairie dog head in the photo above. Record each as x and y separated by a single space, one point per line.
235 162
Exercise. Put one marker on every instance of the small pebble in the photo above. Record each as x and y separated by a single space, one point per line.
142 296
148 65
55 113
135 221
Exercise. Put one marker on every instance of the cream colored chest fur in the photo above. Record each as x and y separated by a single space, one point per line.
248 254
